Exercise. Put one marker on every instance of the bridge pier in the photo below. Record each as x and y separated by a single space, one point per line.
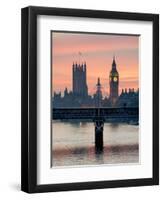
99 126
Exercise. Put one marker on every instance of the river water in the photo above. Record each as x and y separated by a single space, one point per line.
73 144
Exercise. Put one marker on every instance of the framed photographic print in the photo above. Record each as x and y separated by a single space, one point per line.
90 99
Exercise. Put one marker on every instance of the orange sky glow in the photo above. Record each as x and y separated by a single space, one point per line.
97 51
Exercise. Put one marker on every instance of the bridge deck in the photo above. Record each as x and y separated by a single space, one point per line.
124 113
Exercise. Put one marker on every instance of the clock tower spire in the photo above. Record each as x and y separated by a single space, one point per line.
114 83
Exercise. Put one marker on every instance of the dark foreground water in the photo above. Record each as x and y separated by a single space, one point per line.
73 144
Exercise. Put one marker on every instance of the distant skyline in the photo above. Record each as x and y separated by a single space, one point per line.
97 51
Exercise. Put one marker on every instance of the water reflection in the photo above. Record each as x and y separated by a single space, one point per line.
99 155
114 125
73 144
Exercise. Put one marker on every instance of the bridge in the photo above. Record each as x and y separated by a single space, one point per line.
117 114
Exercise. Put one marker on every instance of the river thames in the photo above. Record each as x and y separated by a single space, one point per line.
73 144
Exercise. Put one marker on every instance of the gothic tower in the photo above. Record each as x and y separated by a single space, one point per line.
98 94
79 80
114 83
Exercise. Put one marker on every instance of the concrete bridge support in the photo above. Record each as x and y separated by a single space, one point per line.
99 126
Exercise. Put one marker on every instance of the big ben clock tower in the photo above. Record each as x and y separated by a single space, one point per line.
114 83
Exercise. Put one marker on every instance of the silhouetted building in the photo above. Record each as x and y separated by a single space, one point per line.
128 98
114 83
98 94
79 79
79 97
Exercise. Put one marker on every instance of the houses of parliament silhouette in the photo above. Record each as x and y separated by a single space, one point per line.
79 96
79 79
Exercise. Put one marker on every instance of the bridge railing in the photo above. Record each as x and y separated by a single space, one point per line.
90 113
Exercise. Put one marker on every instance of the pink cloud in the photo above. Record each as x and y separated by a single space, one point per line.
97 51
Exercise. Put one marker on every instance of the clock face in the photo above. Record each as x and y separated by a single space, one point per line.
115 79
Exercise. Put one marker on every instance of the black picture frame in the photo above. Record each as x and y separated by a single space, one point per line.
29 98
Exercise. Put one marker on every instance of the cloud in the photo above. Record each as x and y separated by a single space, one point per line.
97 51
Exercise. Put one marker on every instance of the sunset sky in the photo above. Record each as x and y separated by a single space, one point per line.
97 51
